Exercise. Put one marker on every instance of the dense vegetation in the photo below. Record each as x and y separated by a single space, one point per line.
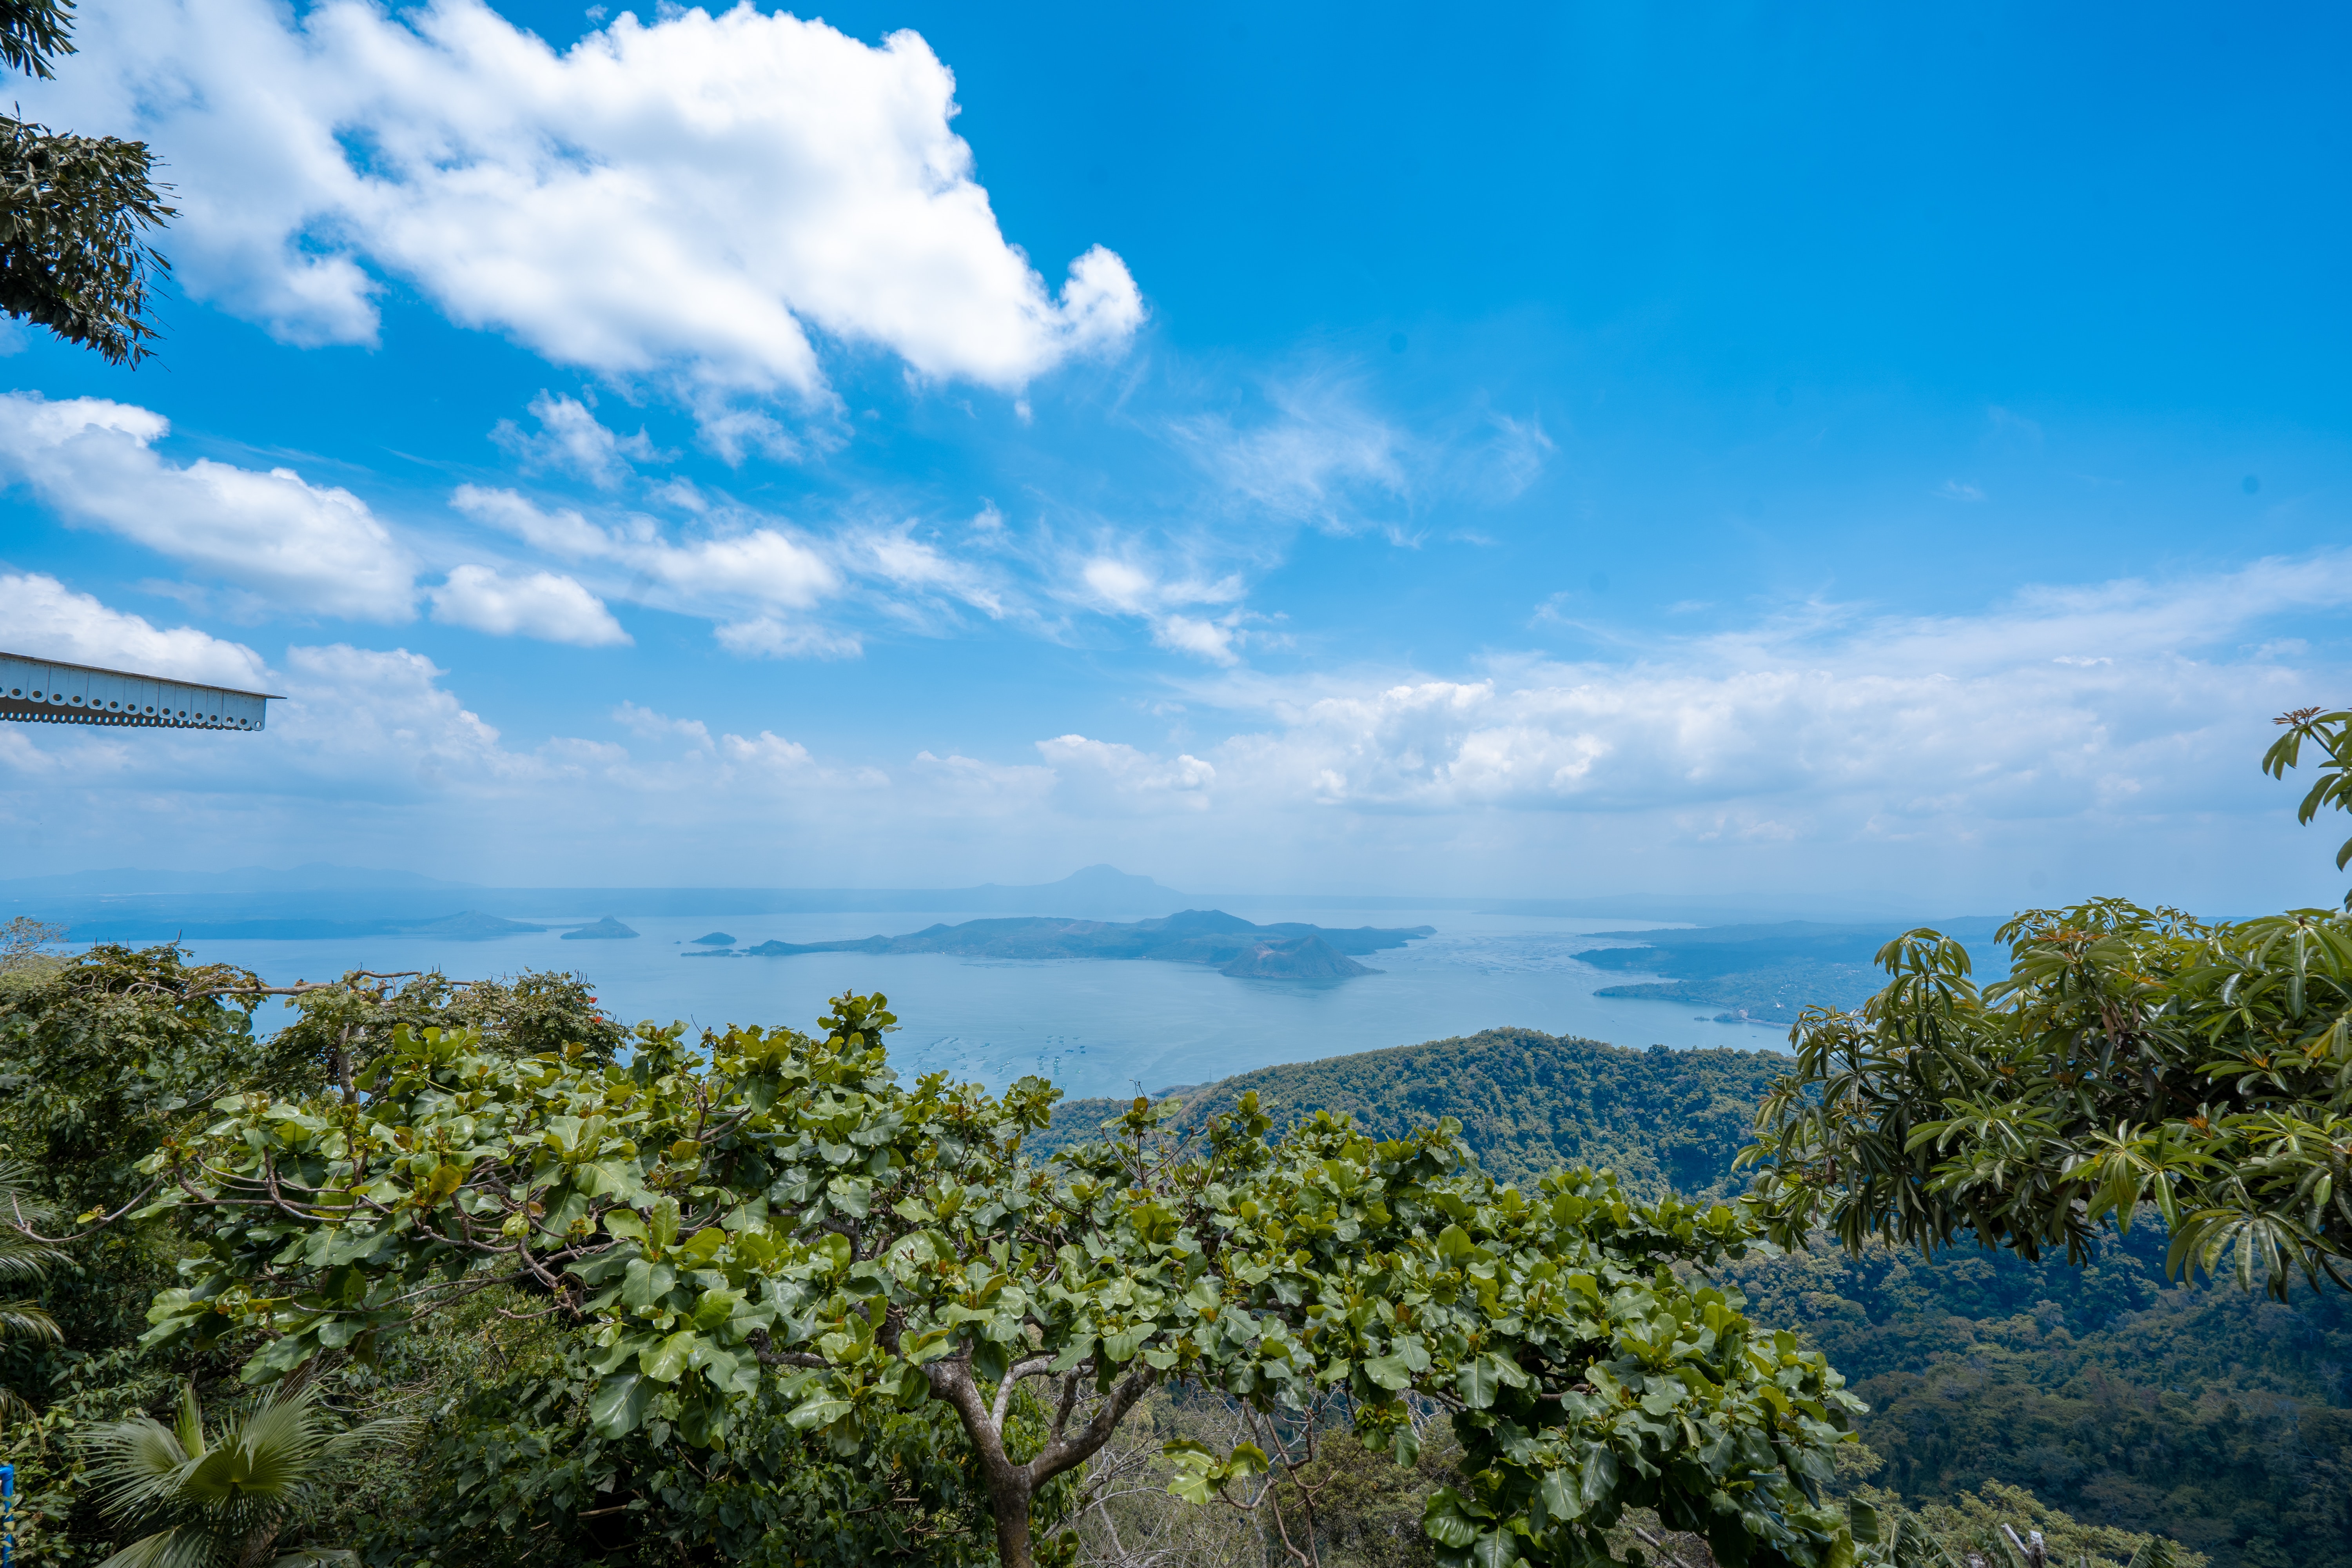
1528 1102
777 1307
2106 1390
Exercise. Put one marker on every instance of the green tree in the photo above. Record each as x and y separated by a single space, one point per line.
223 1499
102 1056
22 1259
2130 1056
74 210
772 1212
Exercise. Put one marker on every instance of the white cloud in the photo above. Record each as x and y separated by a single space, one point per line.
45 620
1127 584
542 605
1924 762
2061 699
758 564
681 202
570 440
378 723
1211 640
308 549
768 637
1098 776
658 726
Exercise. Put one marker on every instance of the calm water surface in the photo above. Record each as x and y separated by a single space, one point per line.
1096 1025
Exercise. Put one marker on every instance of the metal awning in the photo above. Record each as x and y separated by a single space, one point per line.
44 691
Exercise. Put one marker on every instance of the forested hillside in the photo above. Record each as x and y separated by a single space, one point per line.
1528 1102
2220 1418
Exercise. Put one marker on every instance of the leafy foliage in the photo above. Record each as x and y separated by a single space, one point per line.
2131 1057
774 1202
101 1056
22 1259
2332 733
1528 1102
33 32
522 1476
73 210
72 254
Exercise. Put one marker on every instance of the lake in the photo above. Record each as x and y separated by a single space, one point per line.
1095 1027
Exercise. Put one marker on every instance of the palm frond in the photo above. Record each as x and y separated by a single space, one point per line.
137 1465
182 1546
28 1320
190 1423
229 1491
21 1257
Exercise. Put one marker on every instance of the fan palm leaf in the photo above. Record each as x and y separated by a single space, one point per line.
221 1501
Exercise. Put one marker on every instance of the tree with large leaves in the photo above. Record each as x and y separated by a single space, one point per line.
2131 1057
768 1212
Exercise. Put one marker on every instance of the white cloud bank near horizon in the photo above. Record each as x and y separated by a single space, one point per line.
680 204
2107 733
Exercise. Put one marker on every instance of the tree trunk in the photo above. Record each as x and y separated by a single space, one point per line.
1009 1500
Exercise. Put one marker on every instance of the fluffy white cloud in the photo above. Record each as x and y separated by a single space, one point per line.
1095 775
45 620
1211 640
308 549
683 201
571 439
1127 584
541 605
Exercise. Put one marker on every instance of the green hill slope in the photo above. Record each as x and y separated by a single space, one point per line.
2220 1418
1528 1102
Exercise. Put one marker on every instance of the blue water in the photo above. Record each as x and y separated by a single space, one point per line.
1095 1026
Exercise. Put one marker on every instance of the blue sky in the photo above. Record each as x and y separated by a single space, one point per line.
1829 452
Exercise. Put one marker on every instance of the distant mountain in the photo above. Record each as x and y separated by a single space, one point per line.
606 929
1194 936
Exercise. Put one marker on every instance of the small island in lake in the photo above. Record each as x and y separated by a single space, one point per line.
1286 951
606 929
716 939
